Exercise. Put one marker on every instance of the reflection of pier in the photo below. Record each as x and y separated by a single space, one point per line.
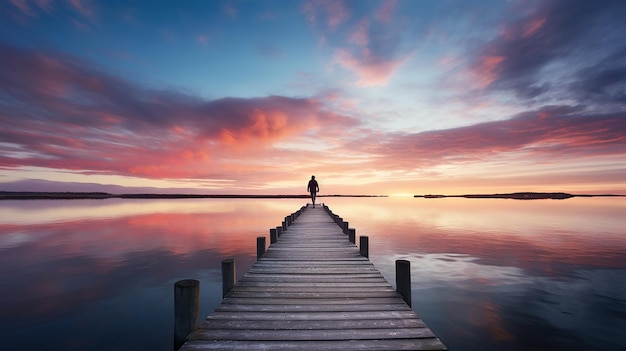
312 289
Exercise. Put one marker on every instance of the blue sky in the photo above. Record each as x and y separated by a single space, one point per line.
398 97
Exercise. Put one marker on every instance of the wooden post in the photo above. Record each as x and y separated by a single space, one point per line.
284 224
403 280
352 235
186 310
364 246
229 276
273 235
279 231
260 246
345 227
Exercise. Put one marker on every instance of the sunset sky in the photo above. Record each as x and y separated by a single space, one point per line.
372 97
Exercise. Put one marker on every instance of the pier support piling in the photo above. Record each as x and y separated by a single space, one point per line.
403 280
364 246
260 246
352 235
186 310
229 276
273 235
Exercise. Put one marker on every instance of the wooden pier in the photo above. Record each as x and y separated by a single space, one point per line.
312 289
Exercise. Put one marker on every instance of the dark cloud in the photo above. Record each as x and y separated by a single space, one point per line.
559 36
548 134
603 82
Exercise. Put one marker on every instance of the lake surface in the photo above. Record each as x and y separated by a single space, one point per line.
487 274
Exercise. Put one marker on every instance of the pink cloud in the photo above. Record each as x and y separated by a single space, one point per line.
385 12
360 36
533 26
66 115
371 70
371 46
486 71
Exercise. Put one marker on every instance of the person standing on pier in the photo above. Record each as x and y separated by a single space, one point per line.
313 188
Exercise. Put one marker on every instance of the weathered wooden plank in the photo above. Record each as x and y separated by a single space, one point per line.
307 294
246 324
337 277
308 258
266 262
314 290
314 334
316 315
313 254
313 270
311 308
365 285
313 301
319 248
345 345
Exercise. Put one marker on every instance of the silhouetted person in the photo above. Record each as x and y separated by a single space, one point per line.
313 188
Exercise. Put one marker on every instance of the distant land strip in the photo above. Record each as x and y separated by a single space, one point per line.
34 195
515 196
29 195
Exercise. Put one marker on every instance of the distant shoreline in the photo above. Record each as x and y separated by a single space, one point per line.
31 195
26 195
517 196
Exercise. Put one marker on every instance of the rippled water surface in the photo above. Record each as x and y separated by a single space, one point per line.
487 274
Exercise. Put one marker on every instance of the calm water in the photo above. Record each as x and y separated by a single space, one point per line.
487 274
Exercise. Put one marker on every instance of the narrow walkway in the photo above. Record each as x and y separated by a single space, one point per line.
312 290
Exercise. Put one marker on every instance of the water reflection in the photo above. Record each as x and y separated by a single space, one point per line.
487 274
506 274
94 274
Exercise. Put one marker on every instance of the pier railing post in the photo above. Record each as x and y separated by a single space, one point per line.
352 235
260 246
279 231
273 235
403 280
186 310
364 246
229 275
344 227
